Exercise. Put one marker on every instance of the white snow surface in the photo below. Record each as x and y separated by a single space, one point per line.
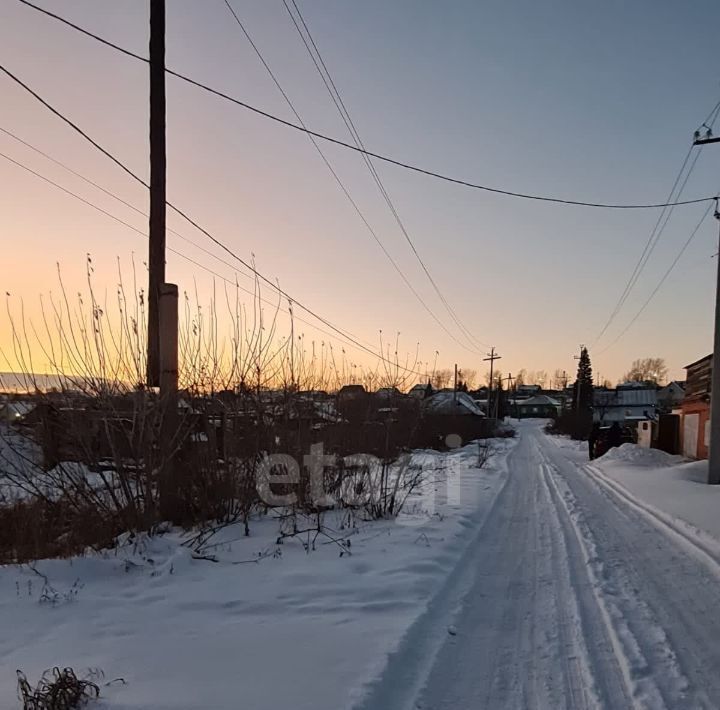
571 596
542 582
265 626
669 485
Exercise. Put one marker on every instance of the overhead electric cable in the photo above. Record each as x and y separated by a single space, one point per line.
662 280
343 144
350 340
340 183
333 91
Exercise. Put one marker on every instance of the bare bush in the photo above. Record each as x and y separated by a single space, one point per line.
56 690
86 464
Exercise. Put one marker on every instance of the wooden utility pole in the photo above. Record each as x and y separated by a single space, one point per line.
491 357
156 261
577 382
455 385
714 455
508 388
162 355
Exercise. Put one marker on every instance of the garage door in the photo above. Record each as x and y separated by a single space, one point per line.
691 423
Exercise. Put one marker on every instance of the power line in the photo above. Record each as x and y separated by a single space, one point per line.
194 223
647 250
660 224
339 335
343 144
114 196
662 280
339 182
335 96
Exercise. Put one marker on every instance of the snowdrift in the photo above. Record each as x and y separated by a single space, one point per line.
638 456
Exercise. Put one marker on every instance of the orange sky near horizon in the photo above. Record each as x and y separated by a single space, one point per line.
535 280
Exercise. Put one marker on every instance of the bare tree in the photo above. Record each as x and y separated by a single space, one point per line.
468 377
649 369
441 379
540 378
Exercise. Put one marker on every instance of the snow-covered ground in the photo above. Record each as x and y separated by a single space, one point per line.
263 626
667 483
539 582
572 597
669 486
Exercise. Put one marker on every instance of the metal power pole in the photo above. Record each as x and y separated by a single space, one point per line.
714 456
491 357
156 261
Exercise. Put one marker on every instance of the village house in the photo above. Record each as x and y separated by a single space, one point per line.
527 390
350 393
540 406
420 391
695 409
670 396
452 404
15 411
629 403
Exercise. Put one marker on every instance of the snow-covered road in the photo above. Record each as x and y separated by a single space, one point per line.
570 596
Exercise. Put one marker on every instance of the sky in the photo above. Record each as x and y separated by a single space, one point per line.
586 101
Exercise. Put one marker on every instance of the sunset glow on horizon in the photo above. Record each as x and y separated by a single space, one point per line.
608 117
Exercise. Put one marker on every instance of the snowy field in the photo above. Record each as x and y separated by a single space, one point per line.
261 625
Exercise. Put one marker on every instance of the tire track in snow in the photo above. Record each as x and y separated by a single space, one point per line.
645 603
520 639
406 668
594 569
702 546
580 679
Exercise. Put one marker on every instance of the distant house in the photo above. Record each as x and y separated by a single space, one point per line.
695 409
527 390
348 393
420 391
452 404
670 396
629 403
15 411
389 393
540 406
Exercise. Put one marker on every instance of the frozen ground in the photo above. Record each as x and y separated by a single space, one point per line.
666 484
539 583
265 626
573 597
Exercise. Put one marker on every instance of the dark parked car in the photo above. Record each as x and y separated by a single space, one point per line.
604 438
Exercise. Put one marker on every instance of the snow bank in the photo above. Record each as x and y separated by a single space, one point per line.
306 624
669 484
638 456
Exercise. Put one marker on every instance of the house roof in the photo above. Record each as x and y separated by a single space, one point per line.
447 403
352 388
538 401
17 409
671 385
633 397
697 362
